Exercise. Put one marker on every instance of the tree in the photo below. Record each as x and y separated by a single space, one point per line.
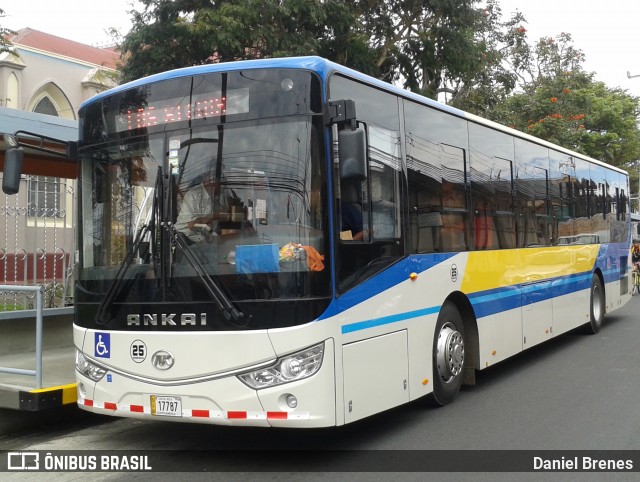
5 44
505 58
169 34
559 102
421 43
464 48
576 112
543 90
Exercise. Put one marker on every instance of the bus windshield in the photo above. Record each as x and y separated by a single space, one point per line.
221 214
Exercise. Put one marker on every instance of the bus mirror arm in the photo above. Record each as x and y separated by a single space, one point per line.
15 155
341 112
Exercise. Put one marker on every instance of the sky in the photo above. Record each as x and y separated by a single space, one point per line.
84 21
606 32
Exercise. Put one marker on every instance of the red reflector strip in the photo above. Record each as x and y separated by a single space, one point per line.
229 415
236 414
277 415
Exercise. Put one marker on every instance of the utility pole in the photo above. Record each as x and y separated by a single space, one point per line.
637 198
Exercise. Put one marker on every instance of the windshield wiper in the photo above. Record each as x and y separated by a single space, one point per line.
116 285
230 312
114 289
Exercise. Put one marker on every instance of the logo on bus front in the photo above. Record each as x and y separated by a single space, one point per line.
454 273
162 360
167 319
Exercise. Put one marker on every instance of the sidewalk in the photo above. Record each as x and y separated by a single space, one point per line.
19 391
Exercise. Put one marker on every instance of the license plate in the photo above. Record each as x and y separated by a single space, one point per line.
166 406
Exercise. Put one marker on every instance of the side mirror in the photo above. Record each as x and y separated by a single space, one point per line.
352 150
12 170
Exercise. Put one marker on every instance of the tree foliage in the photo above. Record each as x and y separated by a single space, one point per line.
5 44
555 99
576 112
422 43
484 63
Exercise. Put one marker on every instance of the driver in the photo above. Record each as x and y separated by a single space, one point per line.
201 209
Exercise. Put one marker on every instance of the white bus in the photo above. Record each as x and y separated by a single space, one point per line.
354 246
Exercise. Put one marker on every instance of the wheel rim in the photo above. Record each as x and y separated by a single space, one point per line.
597 304
450 357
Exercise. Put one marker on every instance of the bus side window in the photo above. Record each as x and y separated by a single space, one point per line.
384 173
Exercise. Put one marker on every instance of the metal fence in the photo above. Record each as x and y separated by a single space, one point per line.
37 292
37 242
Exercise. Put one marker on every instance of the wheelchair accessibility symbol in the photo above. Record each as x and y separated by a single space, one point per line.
102 345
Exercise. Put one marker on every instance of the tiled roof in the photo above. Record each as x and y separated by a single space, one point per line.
27 37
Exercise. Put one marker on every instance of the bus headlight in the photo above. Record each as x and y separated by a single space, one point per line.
290 368
88 369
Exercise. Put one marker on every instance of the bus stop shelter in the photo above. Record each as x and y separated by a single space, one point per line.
37 250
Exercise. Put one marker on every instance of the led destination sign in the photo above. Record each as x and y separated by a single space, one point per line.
180 109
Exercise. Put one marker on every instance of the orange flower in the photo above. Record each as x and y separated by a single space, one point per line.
566 91
580 126
553 99
522 29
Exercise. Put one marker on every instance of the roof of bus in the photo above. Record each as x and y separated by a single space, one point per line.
325 68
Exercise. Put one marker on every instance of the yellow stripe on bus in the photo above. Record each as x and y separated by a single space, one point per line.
486 270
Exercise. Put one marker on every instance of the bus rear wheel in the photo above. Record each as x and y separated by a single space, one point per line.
448 355
596 308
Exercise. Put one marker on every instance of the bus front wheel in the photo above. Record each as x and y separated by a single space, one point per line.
448 354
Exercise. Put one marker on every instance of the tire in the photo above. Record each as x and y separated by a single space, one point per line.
448 355
596 308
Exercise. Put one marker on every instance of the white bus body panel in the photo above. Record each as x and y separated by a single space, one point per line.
499 337
372 381
211 385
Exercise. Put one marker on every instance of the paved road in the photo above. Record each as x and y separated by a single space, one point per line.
577 392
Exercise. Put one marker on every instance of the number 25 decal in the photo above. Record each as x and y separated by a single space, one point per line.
138 351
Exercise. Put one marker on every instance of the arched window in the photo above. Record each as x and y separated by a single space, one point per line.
45 106
50 99
13 91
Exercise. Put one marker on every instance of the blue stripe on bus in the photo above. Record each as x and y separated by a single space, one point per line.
384 280
385 320
485 303
489 302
